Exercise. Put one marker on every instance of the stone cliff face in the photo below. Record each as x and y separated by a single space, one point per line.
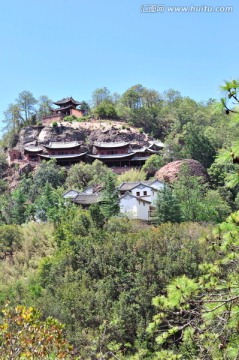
87 133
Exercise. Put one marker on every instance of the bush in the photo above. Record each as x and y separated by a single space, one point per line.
54 124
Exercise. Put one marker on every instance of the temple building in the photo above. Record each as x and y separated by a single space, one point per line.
120 156
66 107
65 153
116 155
141 155
32 153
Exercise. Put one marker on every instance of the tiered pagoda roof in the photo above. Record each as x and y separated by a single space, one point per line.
67 102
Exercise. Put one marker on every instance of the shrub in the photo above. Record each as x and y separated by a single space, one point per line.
54 124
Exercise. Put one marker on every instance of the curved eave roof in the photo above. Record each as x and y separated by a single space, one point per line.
111 157
66 101
63 157
33 149
63 145
140 158
64 107
106 145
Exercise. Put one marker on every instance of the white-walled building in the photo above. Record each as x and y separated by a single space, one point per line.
135 207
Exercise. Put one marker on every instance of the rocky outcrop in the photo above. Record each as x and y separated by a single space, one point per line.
87 132
27 136
170 172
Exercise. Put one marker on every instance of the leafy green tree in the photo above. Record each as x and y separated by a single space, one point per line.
18 208
132 97
167 207
131 175
48 204
97 216
3 163
106 110
13 118
82 175
26 103
10 238
50 172
110 198
85 107
198 147
44 106
99 95
153 164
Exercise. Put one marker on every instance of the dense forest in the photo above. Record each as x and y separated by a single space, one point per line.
92 284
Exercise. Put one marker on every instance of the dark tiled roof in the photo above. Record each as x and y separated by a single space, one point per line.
109 157
66 156
34 149
87 199
110 144
127 186
67 100
63 145
63 108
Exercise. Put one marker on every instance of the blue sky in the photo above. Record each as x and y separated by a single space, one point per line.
66 48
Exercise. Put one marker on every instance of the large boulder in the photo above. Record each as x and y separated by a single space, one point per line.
170 172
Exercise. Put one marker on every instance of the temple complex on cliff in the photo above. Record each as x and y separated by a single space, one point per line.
120 156
66 107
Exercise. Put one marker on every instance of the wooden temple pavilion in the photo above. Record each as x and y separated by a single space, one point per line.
66 107
65 153
113 154
32 152
120 155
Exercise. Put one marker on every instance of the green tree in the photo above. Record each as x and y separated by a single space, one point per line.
82 175
44 106
153 164
50 172
198 147
99 95
10 238
131 175
200 315
167 207
106 110
110 197
190 192
26 103
97 216
13 118
18 207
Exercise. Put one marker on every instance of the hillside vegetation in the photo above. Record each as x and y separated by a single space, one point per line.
90 283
